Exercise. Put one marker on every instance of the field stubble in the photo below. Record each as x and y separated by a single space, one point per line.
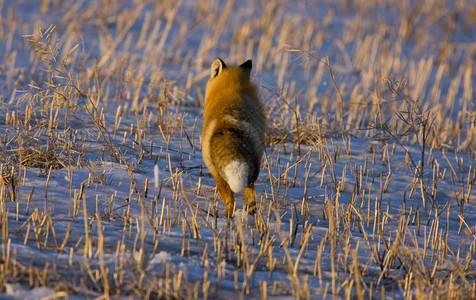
366 184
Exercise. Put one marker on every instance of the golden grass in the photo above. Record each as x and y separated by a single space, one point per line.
113 88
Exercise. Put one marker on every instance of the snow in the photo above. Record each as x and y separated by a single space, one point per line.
147 223
18 292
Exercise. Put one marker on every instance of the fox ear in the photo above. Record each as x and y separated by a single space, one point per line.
217 66
247 64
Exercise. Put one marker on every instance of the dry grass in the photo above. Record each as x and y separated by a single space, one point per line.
365 188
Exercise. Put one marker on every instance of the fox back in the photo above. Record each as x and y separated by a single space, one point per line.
233 131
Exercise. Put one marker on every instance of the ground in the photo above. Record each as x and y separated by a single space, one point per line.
365 188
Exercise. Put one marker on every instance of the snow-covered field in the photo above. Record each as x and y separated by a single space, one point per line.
366 186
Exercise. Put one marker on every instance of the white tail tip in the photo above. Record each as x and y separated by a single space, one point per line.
236 175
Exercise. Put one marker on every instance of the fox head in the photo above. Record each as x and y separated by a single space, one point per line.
219 65
224 77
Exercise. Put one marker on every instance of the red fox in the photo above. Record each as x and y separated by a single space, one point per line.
233 132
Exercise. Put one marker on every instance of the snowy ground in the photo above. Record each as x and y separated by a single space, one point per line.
105 194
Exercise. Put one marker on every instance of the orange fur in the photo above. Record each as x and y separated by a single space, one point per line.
233 132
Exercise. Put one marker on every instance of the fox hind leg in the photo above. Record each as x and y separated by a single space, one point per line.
250 196
227 195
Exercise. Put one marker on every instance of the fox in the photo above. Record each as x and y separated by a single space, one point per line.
233 132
